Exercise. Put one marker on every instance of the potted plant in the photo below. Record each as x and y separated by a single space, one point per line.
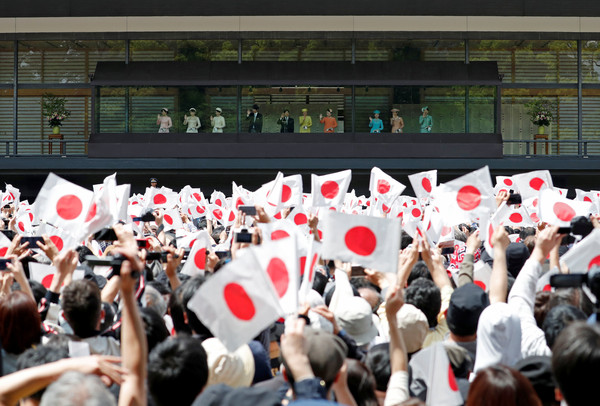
53 108
540 113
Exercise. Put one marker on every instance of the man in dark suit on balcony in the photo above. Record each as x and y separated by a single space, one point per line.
286 122
255 120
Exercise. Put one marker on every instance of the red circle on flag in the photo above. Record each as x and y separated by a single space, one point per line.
311 273
200 258
302 265
452 379
535 218
197 196
218 202
47 280
508 182
480 284
160 199
383 186
57 241
277 216
587 199
279 275
21 226
535 202
515 218
468 197
218 214
286 193
426 183
330 189
361 240
231 215
69 207
446 230
490 234
332 209
563 211
92 212
168 219
536 183
279 234
385 208
238 301
416 213
547 288
239 202
134 203
594 262
199 209
300 219
3 251
192 243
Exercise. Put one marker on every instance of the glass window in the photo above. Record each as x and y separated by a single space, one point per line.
446 105
111 110
482 109
591 119
6 118
296 50
410 50
517 124
65 61
273 101
529 61
183 50
590 61
7 58
34 127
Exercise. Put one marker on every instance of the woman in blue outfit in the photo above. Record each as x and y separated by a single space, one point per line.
376 124
426 121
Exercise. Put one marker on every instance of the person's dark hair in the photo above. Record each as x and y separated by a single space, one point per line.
188 290
360 282
541 306
538 369
405 240
419 270
20 322
557 319
286 110
177 371
527 232
425 296
576 361
176 312
162 288
500 385
216 233
82 252
81 305
572 296
39 291
378 361
459 235
156 331
41 355
361 383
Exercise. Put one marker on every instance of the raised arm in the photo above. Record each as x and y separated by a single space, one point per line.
499 277
465 273
398 387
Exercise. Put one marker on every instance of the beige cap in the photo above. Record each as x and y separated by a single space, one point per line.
235 369
413 325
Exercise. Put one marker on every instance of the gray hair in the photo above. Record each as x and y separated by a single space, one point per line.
154 300
77 389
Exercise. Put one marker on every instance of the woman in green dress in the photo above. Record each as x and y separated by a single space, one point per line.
426 121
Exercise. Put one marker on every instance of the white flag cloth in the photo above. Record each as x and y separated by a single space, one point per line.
481 275
11 195
308 276
384 186
531 183
61 239
119 210
172 220
369 241
63 204
23 224
423 183
514 216
102 212
558 211
4 244
279 259
238 302
465 198
585 254
330 190
42 273
160 198
442 389
195 263
505 184
218 198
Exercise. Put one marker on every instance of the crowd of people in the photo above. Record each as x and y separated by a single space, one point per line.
120 315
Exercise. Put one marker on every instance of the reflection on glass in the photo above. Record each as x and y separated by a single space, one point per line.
7 58
529 61
590 61
410 50
591 118
296 50
65 61
6 116
183 50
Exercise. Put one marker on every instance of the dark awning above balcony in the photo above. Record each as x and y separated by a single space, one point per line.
414 73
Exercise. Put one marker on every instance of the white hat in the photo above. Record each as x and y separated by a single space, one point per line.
413 326
235 369
219 110
355 316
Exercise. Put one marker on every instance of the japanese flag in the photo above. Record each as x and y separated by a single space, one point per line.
119 210
583 256
196 195
63 204
238 302
442 389
42 273
488 227
241 197
299 217
103 211
160 198
590 197
279 259
423 183
61 239
218 198
11 195
308 276
531 183
23 224
4 244
279 229
383 185
561 191
369 241
466 198
481 275
291 193
433 224
504 183
558 211
514 216
196 210
330 190
172 220
215 212
196 260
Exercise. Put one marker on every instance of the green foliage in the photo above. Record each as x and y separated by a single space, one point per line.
540 111
53 108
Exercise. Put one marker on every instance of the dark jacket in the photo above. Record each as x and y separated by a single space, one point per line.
286 127
255 126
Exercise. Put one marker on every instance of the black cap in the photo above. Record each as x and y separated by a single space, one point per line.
153 180
466 304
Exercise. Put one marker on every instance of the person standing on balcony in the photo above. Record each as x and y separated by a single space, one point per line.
192 122
218 121
426 121
396 122
286 122
255 119
164 121
305 121
376 124
329 122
